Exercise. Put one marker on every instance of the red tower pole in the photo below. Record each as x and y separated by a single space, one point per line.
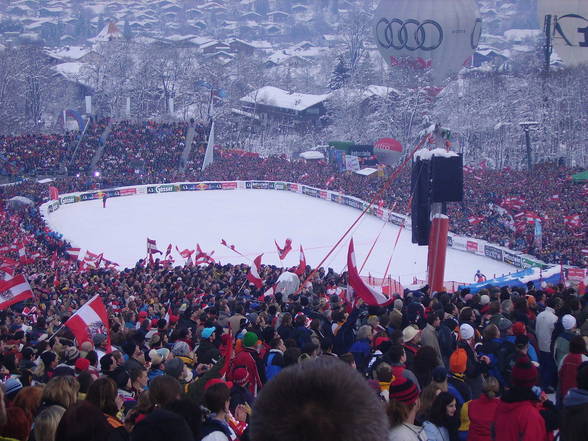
437 251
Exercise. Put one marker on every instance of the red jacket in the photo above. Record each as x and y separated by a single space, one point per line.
481 413
568 372
244 359
519 421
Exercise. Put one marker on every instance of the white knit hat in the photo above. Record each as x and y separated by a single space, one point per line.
466 331
568 321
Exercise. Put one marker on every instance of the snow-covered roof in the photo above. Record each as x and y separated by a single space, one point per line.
72 71
109 32
522 34
380 91
273 96
425 154
366 171
312 154
69 52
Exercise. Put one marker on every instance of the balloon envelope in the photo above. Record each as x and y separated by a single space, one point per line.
287 283
438 34
387 150
569 28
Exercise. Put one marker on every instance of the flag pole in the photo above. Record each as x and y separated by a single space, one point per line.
56 332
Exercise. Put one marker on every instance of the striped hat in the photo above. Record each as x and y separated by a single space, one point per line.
403 390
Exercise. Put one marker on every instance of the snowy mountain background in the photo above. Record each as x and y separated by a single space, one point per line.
171 56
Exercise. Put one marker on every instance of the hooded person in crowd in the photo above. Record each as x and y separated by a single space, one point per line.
518 417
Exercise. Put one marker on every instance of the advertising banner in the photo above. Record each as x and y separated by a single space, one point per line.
351 163
280 186
396 219
229 185
53 206
310 191
493 252
188 187
323 195
530 263
458 243
259 185
164 188
472 246
353 203
88 196
127 191
512 259
576 274
69 199
450 241
336 197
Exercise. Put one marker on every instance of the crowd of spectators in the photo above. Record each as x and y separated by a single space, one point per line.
148 152
198 353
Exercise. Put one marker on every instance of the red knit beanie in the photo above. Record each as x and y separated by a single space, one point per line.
403 390
524 373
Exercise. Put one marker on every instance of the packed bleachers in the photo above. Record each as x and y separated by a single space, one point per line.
139 153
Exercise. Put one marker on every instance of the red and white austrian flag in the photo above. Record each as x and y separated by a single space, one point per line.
474 220
253 274
89 320
14 290
573 221
152 247
73 252
283 252
358 289
302 264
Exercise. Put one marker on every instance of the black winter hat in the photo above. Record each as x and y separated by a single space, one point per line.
162 425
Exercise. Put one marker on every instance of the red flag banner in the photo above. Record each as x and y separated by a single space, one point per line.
283 252
91 319
253 274
357 287
14 290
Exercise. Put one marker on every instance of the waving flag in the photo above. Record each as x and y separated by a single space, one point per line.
283 252
512 203
186 254
14 290
330 181
91 319
73 252
202 258
573 221
152 247
474 220
253 274
302 265
357 287
231 247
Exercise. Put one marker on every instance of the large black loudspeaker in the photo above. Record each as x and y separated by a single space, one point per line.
447 179
421 202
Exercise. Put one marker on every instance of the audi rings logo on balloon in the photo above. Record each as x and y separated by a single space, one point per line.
409 34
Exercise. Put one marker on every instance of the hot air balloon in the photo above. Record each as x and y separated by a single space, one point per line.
387 150
440 35
569 28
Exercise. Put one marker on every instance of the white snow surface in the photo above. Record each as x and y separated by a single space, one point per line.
251 220
273 96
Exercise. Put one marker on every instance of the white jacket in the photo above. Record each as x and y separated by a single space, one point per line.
544 325
407 432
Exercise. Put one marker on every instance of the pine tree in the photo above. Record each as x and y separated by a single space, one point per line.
340 74
365 72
